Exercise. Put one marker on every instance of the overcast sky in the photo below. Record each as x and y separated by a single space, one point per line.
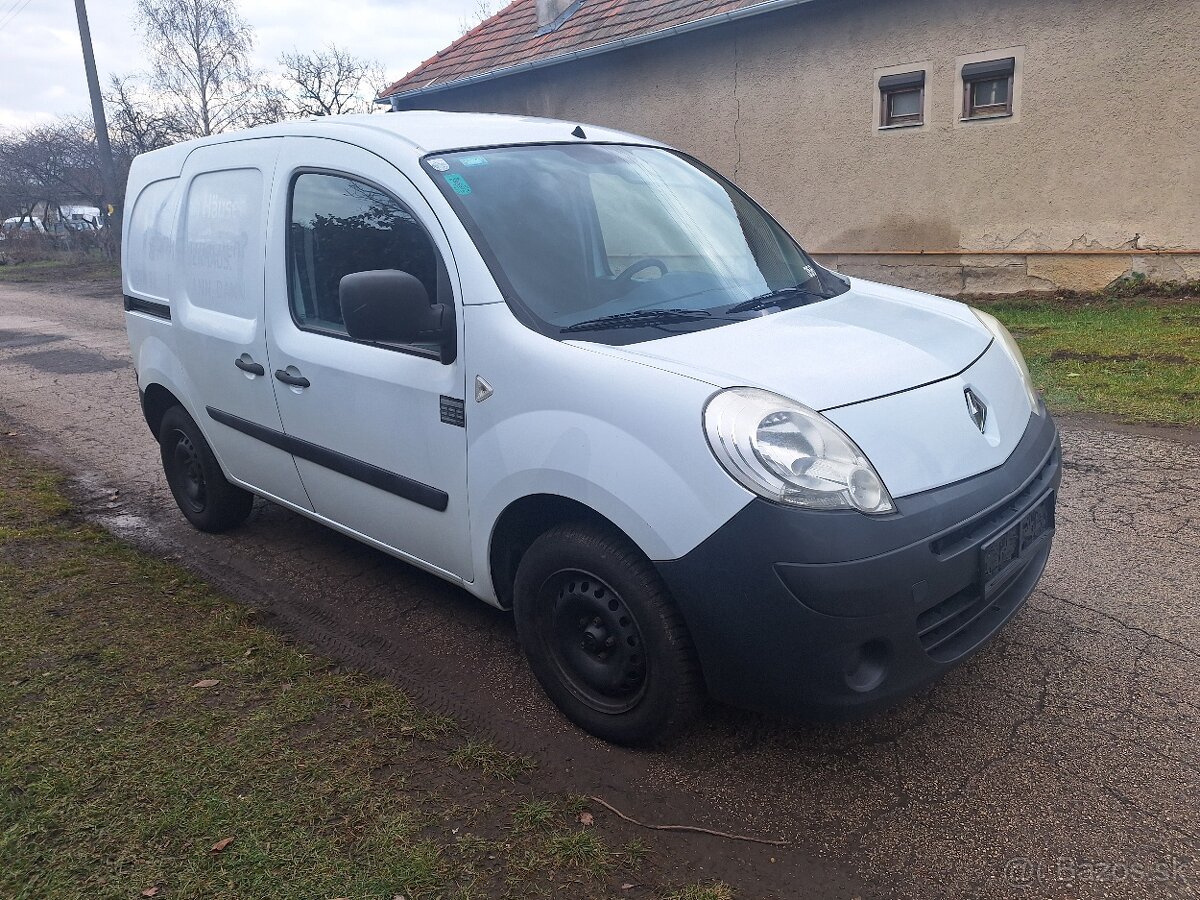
41 71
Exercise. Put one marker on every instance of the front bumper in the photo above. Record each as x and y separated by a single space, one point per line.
829 613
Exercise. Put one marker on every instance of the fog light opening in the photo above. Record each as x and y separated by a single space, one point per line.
867 666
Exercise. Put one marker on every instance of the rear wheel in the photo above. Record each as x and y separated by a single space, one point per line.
203 494
604 638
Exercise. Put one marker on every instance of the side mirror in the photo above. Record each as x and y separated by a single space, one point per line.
390 305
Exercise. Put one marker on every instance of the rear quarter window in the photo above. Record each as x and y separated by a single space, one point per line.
150 239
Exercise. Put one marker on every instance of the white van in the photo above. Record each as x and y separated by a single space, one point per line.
586 378
21 225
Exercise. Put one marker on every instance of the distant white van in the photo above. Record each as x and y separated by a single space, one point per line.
22 225
82 216
586 378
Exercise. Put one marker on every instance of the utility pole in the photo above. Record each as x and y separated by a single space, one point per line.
108 171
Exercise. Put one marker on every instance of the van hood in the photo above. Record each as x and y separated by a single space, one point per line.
870 341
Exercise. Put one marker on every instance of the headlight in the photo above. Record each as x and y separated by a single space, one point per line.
1000 333
790 454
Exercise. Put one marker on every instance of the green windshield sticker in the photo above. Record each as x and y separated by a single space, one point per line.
472 161
458 183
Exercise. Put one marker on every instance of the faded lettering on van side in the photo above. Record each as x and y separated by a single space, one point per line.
222 235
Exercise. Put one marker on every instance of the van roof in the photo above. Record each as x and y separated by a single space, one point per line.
429 131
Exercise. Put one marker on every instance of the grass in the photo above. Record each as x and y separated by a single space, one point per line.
534 815
1136 357
490 760
146 720
715 891
58 266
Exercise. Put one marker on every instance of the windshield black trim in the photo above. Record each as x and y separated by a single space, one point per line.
523 313
638 318
778 298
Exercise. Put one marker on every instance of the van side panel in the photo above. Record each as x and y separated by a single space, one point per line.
218 307
223 247
626 441
147 271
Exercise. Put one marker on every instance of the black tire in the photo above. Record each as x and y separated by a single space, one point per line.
604 638
206 499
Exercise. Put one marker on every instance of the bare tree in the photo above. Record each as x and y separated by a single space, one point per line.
199 52
138 121
48 167
45 170
330 82
482 10
51 165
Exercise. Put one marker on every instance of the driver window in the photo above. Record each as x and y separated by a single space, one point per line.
338 226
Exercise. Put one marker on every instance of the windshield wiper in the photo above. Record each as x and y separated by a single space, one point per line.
638 318
774 298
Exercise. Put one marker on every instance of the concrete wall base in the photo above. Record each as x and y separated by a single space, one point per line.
1011 273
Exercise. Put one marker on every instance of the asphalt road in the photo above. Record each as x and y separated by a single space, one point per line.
1062 761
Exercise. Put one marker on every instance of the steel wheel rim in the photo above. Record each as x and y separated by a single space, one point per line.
593 640
188 469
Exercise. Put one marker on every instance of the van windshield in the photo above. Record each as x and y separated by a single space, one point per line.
620 244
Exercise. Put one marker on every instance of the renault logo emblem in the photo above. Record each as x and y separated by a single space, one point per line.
977 409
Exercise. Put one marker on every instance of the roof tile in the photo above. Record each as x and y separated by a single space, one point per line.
510 36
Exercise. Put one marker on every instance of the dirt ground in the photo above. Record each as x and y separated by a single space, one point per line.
1061 761
145 718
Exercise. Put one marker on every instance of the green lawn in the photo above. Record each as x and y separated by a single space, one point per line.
154 738
1136 358
60 267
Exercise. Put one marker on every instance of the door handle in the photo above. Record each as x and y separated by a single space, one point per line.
249 366
294 380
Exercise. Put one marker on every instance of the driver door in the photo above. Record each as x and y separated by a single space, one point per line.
376 450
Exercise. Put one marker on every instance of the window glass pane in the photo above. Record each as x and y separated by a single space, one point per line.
340 226
993 92
634 226
905 103
598 210
151 238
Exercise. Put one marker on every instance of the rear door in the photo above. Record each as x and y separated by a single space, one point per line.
377 429
219 313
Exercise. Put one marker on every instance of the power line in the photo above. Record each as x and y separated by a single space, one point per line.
16 12
11 6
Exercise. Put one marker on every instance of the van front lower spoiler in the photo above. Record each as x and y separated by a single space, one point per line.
828 614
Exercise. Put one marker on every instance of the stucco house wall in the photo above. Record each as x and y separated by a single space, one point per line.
1098 167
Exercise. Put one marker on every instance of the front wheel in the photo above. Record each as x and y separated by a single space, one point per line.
604 638
203 494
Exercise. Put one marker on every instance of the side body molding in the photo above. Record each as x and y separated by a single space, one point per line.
391 482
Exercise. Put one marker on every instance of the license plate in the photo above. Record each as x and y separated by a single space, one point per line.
1002 551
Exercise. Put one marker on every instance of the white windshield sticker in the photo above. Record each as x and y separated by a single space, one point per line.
439 165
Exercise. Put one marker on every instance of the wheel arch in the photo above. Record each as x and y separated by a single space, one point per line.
156 400
522 522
